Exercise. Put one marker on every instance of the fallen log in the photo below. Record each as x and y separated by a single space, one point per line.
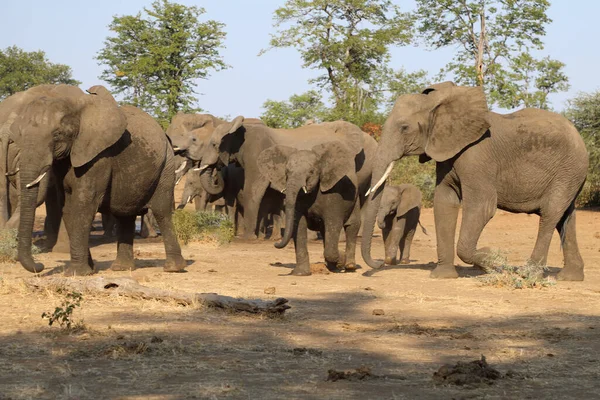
129 287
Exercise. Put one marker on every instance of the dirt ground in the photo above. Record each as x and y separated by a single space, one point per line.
544 342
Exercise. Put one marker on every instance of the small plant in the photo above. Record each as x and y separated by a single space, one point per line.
202 226
63 315
500 274
8 245
410 170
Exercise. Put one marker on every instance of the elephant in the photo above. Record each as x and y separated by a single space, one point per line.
398 217
530 161
105 157
321 185
241 141
230 181
190 135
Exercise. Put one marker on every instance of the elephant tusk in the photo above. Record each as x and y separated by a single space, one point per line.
201 168
12 173
283 190
181 167
178 180
304 188
188 199
36 181
387 172
176 148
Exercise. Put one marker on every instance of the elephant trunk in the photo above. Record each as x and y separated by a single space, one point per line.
381 219
381 171
29 200
212 181
291 195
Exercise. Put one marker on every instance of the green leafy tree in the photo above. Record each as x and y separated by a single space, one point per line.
294 112
20 70
494 38
348 41
154 60
402 82
584 112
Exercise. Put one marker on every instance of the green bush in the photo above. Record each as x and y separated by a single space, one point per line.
409 170
8 245
202 226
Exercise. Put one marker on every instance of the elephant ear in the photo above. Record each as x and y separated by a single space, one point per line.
410 198
272 163
101 125
458 118
336 161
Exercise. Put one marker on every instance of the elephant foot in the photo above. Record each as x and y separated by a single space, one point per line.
333 266
119 265
444 272
405 261
175 264
301 272
570 274
391 261
79 270
351 267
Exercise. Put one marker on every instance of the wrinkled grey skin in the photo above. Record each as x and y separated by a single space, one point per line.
190 135
530 161
107 158
398 218
10 175
321 186
242 140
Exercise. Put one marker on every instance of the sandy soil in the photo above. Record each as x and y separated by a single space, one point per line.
545 340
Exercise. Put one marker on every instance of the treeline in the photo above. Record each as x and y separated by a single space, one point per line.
156 59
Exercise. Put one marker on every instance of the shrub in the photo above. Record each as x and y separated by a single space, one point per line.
8 245
409 170
500 274
63 315
202 226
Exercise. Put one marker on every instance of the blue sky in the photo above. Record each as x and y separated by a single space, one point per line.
72 32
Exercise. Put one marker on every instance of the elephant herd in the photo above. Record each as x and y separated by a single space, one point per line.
84 153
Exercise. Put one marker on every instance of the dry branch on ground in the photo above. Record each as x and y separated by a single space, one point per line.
129 287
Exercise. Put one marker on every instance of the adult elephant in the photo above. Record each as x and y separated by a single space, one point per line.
108 158
321 185
531 161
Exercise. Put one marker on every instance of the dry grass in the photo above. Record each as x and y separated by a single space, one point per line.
202 226
8 245
500 273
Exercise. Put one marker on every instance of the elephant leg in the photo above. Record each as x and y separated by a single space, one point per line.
412 221
573 268
301 245
445 211
351 229
55 241
125 235
331 241
252 206
477 212
277 225
394 239
386 231
109 224
79 213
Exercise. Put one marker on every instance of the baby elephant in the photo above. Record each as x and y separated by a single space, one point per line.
398 217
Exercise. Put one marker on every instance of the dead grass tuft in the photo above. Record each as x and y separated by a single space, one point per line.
499 273
8 245
202 226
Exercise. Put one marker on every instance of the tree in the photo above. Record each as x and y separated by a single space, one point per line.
154 60
348 41
403 82
295 112
20 70
584 112
495 38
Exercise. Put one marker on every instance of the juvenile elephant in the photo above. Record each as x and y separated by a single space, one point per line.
398 218
113 159
321 186
530 161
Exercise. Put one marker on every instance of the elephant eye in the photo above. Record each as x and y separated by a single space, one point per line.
404 127
194 139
